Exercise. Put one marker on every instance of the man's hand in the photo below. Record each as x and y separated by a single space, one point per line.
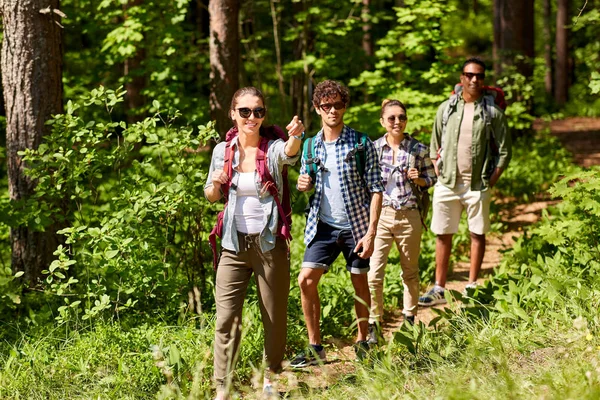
365 246
304 183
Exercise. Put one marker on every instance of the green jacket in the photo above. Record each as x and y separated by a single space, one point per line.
484 162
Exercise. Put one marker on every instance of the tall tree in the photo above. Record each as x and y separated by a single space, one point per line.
224 59
561 81
32 78
513 35
136 81
548 47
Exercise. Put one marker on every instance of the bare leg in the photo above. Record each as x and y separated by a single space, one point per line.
361 288
443 247
308 279
477 253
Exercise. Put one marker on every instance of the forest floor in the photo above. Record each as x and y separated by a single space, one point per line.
581 136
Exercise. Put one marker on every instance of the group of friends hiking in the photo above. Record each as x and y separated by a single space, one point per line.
365 196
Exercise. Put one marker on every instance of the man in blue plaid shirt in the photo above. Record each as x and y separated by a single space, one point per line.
343 216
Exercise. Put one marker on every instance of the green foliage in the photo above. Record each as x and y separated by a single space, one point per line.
133 219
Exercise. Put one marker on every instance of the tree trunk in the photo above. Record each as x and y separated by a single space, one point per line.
32 77
224 59
514 35
548 47
136 81
561 80
367 40
278 66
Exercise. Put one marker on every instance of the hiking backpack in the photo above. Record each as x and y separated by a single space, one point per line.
491 95
421 194
284 229
314 163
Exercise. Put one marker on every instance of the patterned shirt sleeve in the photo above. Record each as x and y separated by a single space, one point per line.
372 169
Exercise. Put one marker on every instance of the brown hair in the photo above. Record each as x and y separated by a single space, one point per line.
391 103
244 91
330 88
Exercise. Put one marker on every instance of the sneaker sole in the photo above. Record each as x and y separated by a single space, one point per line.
308 364
433 302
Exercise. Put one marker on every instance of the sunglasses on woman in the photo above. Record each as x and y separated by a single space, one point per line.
245 112
401 118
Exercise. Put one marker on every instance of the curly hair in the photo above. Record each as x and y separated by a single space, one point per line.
330 88
391 103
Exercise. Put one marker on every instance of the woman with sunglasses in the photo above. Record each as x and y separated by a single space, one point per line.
400 220
249 239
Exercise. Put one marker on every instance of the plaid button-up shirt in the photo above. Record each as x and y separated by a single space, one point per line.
419 158
356 189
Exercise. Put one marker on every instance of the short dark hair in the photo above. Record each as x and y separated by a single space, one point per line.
391 103
473 60
330 88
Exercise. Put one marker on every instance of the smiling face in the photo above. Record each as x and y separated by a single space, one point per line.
394 120
251 124
472 79
330 115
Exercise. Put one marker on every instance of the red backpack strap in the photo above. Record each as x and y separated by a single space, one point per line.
217 230
267 180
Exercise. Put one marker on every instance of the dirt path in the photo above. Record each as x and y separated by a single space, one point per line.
581 136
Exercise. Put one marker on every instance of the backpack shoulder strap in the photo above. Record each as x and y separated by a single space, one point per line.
360 146
308 154
411 147
270 185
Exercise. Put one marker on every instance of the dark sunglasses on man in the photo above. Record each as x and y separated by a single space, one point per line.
338 105
259 112
470 75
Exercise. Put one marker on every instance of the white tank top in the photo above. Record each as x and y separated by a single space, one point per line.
248 210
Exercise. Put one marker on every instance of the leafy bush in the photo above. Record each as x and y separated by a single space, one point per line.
131 201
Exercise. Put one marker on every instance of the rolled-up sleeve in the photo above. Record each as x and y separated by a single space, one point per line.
216 162
372 169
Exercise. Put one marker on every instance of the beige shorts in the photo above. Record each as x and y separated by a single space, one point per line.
448 205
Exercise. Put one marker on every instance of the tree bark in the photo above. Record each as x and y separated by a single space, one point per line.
136 80
514 35
561 80
278 66
548 47
367 40
224 59
32 76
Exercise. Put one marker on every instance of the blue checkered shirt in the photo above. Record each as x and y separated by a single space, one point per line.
356 189
419 159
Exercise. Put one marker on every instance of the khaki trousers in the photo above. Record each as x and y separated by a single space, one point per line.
403 227
272 274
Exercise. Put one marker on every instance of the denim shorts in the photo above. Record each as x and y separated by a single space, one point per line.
327 245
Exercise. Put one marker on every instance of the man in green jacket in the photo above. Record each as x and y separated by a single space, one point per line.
471 147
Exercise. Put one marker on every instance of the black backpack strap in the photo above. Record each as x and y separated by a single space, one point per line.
360 154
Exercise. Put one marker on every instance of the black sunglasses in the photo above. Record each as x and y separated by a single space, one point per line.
259 112
401 118
470 75
338 105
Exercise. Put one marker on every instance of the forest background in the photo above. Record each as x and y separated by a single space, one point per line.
109 111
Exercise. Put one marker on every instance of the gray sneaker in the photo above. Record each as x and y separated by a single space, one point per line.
374 333
308 357
433 297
